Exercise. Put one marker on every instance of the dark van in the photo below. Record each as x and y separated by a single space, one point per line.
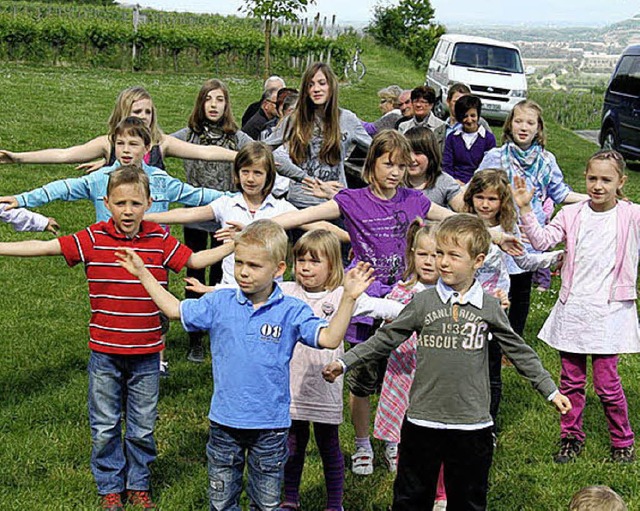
620 127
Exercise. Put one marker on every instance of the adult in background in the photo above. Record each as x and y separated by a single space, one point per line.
390 109
281 111
265 113
406 109
273 82
422 100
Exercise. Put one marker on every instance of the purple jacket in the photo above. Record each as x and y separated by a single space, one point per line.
565 226
460 162
23 220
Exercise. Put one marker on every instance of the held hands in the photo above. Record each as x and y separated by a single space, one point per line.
52 226
357 280
503 297
229 232
521 194
10 202
130 261
511 245
562 403
92 166
196 286
331 371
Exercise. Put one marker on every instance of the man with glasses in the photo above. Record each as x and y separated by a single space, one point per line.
265 113
422 100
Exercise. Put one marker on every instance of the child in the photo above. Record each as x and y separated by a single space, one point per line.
377 219
523 154
596 311
597 498
465 148
125 338
448 419
425 173
253 332
131 102
211 123
254 174
319 274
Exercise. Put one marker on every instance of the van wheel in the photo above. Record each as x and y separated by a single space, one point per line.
438 109
609 140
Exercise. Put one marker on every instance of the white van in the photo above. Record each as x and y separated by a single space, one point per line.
491 69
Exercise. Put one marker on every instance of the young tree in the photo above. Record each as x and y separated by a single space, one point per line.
270 10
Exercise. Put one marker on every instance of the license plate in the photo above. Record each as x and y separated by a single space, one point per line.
489 106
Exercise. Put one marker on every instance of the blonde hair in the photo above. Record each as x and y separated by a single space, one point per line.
507 133
597 498
128 175
391 94
123 106
493 179
617 162
417 230
303 119
466 231
265 234
386 141
255 153
322 243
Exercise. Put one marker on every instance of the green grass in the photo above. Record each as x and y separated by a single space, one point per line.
44 435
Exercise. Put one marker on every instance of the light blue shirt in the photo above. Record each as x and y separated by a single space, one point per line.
165 189
251 349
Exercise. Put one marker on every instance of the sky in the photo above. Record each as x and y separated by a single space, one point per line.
483 12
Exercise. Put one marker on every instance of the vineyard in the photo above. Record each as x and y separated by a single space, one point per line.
106 37
574 110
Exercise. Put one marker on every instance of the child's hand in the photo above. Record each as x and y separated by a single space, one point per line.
52 226
521 195
504 298
358 279
92 166
562 403
331 371
229 232
7 157
196 286
511 245
130 261
321 189
10 202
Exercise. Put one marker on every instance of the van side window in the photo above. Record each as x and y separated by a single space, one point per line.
627 77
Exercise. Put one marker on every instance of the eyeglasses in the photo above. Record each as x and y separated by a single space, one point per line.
420 102
383 101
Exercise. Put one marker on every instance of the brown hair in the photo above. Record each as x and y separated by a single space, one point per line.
466 231
255 153
617 162
597 498
423 141
303 119
128 175
133 126
458 87
265 234
507 133
198 117
122 109
495 179
417 229
322 243
386 141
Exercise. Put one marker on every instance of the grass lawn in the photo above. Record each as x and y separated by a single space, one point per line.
44 434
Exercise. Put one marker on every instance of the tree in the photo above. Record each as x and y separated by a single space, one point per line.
408 27
271 10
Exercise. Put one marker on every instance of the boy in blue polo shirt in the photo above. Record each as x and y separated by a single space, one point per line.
253 331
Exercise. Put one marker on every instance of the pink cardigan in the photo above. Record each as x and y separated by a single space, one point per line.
564 227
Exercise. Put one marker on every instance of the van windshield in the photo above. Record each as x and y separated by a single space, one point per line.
485 56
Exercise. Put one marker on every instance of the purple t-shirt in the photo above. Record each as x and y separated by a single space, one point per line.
378 227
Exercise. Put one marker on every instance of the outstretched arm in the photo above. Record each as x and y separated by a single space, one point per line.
326 211
437 212
211 256
165 301
172 146
356 281
31 248
97 148
181 215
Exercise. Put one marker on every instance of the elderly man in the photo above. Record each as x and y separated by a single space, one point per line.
273 82
266 112
405 107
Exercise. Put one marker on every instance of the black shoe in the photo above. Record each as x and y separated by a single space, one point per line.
623 454
570 449
196 353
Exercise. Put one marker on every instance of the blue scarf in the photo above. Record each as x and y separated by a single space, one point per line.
529 163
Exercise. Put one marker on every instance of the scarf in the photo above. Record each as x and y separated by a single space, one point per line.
529 163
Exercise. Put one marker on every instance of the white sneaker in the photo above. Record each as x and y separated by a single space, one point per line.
440 505
362 462
391 457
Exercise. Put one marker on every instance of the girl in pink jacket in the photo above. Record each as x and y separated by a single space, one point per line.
596 310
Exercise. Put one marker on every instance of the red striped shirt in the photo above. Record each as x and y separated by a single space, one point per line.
124 318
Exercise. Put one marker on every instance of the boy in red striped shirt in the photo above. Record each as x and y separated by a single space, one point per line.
124 331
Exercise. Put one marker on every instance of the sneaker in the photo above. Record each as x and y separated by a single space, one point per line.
111 502
440 505
391 457
623 454
196 354
140 499
570 449
164 369
362 462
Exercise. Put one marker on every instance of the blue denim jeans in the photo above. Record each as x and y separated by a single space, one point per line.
116 383
266 453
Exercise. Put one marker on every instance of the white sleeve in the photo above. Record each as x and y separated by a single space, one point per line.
377 307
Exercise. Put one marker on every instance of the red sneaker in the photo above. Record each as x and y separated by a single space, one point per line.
141 499
111 502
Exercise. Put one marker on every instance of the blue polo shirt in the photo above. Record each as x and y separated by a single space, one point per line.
250 351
